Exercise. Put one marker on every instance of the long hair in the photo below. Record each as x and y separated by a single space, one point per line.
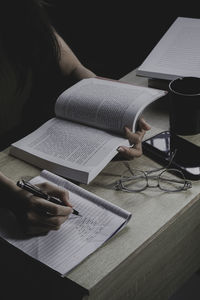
27 40
26 35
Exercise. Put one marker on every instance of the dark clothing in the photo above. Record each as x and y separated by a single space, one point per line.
24 108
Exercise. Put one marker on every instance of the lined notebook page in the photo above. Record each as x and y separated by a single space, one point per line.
77 238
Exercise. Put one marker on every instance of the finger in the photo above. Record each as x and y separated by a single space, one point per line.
53 190
129 152
47 221
62 195
37 229
140 134
42 205
54 221
134 138
143 124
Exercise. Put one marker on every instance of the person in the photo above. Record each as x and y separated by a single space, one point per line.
36 65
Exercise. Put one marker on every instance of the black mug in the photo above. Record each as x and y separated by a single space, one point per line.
184 97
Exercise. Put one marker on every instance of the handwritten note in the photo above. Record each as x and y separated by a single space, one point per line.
77 238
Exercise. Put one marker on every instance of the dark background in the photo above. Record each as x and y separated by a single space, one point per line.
112 39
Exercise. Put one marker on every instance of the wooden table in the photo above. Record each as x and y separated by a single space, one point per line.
160 247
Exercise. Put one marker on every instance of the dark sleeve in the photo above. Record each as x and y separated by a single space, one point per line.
25 278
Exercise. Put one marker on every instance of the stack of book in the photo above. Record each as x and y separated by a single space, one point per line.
177 54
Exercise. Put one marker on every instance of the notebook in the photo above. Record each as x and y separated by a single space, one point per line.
77 238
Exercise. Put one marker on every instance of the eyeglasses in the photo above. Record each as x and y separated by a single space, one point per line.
168 179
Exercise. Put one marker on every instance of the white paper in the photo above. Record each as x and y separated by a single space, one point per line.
77 238
177 54
68 149
105 104
88 129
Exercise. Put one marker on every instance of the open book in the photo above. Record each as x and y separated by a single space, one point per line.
177 54
88 128
78 237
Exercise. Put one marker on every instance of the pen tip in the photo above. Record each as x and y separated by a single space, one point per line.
75 212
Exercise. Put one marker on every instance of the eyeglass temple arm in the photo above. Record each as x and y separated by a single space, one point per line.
166 167
129 168
171 158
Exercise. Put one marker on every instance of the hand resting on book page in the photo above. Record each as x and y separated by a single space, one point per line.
135 139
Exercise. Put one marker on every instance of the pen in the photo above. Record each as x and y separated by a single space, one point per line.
36 191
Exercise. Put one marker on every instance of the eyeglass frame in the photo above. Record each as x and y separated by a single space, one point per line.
186 185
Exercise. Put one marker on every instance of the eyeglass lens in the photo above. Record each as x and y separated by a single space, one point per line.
169 180
134 180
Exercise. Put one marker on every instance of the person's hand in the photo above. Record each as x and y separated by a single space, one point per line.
135 139
38 216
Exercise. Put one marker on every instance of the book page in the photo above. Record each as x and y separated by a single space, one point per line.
105 104
78 151
69 149
77 238
177 54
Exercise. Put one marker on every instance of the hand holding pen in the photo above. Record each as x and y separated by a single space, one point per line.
43 207
36 191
